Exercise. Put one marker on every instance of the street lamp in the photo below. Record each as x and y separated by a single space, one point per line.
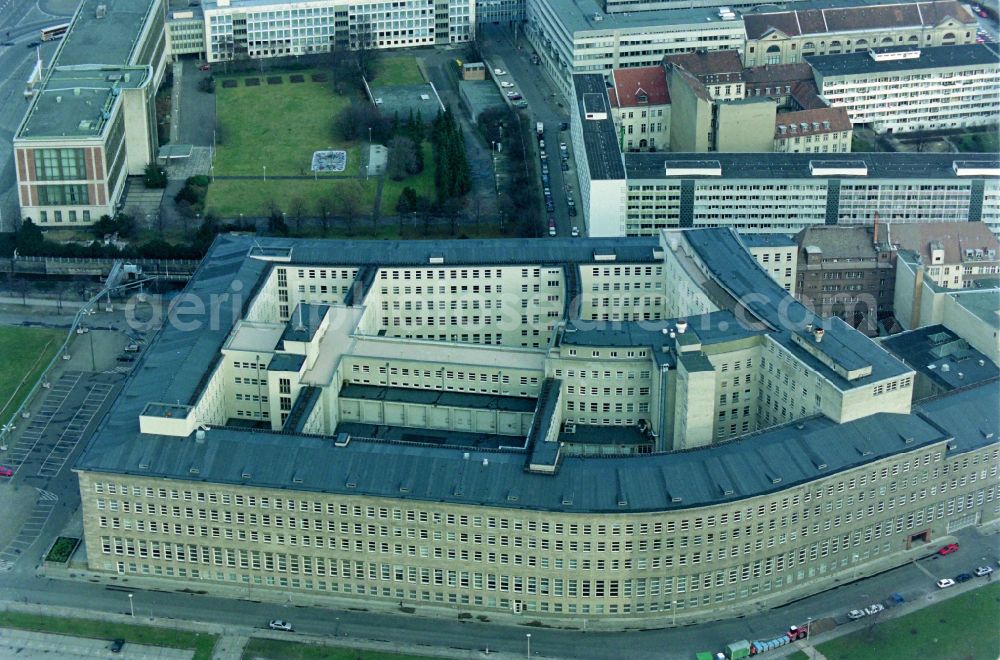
809 625
130 606
528 635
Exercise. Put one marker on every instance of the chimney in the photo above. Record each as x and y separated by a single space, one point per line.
876 227
682 326
818 334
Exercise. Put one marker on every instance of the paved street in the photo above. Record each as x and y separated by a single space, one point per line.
544 105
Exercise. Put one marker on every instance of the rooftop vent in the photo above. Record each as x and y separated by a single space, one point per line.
682 326
245 475
102 11
818 334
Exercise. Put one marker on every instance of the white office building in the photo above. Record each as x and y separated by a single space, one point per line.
261 28
906 89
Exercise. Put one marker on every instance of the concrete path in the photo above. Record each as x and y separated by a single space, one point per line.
230 647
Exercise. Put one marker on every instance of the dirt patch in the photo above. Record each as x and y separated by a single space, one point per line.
319 77
274 80
296 78
251 82
228 84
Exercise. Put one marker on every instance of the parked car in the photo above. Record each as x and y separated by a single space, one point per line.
549 206
983 571
34 44
521 104
574 232
854 615
542 154
562 146
278 624
874 608
505 84
499 72
204 67
572 211
126 358
948 549
944 583
117 645
564 166
963 577
6 471
563 126
545 179
514 95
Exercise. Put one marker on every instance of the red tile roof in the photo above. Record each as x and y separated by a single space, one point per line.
881 17
813 119
628 83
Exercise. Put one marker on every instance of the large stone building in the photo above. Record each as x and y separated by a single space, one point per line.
641 193
376 423
640 105
905 89
786 37
846 272
91 120
265 28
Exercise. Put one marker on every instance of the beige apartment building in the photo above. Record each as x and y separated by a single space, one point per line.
304 446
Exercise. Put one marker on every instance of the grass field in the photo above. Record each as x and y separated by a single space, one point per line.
231 197
960 628
276 650
423 183
201 644
279 126
27 351
396 71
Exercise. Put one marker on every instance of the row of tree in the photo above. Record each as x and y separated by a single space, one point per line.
452 176
519 195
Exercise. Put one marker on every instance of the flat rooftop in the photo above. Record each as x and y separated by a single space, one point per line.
941 355
713 328
899 165
73 102
939 57
109 39
255 336
600 138
767 240
438 398
984 304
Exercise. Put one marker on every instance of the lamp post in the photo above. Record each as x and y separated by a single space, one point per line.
131 608
265 172
528 636
809 625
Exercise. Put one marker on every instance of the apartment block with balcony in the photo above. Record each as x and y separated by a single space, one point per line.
905 89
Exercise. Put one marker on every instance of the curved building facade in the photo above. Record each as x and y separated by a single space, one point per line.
301 445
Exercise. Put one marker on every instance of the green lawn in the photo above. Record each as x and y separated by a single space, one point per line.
960 628
985 142
396 71
279 126
26 351
229 198
423 183
201 644
269 648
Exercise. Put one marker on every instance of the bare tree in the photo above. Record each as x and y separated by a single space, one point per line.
365 46
350 203
297 207
324 206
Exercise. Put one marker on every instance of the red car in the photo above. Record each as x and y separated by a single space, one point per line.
6 471
204 67
948 549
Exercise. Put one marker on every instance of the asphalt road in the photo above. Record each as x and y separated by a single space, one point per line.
544 105
20 24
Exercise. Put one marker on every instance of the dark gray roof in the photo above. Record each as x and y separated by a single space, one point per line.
939 57
897 165
464 252
765 462
110 39
736 271
304 322
600 138
716 327
407 435
941 355
286 362
840 241
438 398
586 434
